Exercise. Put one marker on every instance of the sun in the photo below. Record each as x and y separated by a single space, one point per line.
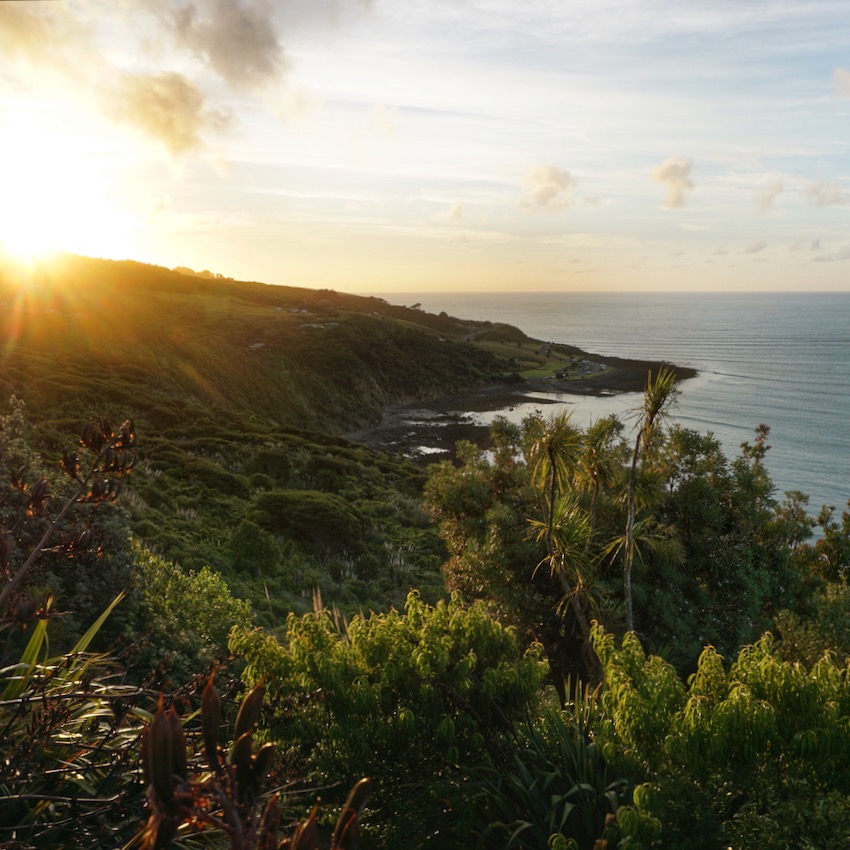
56 197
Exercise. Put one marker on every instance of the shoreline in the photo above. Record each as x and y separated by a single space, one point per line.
428 429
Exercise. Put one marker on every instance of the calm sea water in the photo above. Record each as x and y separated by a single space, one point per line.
780 359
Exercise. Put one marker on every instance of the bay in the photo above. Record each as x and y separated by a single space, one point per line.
779 359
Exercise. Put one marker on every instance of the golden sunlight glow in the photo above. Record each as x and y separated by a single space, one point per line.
54 197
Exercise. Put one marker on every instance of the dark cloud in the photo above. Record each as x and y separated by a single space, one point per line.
755 247
166 107
675 174
238 39
548 188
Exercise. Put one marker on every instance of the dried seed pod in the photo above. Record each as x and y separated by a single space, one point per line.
92 437
38 494
125 436
240 758
306 836
211 723
269 825
178 745
5 550
70 463
261 764
160 755
347 828
145 750
249 711
347 833
19 477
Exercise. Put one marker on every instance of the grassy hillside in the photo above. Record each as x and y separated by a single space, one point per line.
164 345
237 390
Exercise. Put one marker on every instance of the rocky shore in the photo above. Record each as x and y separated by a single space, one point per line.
429 429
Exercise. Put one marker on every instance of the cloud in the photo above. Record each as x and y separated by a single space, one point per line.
841 81
823 194
766 197
836 256
754 247
456 212
166 107
548 188
675 174
38 31
238 39
805 244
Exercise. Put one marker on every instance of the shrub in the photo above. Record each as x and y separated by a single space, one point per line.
309 516
406 698
550 787
182 619
731 754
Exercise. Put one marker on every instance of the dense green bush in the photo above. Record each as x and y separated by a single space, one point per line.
322 519
731 756
825 627
180 620
411 699
550 787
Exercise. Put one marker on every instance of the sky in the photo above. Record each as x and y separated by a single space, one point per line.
434 145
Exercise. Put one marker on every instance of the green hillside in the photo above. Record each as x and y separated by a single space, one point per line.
238 391
572 556
86 333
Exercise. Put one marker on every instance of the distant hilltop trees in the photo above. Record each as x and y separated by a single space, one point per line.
206 273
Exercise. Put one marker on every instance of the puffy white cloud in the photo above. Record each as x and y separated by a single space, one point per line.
675 174
549 188
822 194
766 197
166 107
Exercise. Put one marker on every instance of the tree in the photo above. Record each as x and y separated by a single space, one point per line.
749 756
411 699
483 505
657 398
564 529
56 527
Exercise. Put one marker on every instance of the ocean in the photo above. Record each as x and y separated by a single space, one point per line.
779 359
